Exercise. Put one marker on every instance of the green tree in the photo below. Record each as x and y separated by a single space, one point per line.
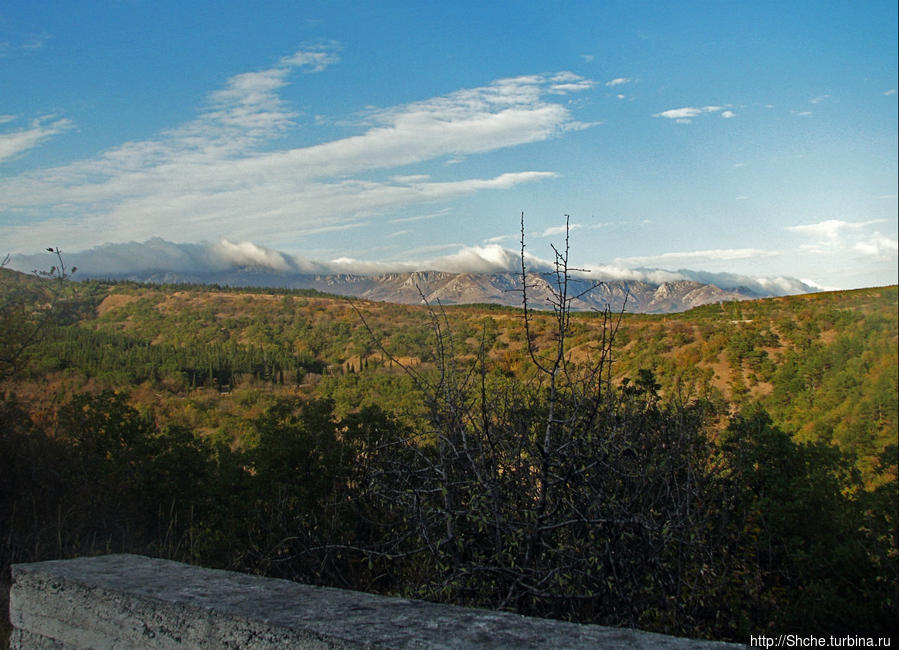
28 306
299 468
813 563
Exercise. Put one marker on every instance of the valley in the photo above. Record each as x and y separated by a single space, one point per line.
822 364
299 434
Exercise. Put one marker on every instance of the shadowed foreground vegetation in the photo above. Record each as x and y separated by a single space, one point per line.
718 473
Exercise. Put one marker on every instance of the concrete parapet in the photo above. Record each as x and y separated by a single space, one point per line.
130 601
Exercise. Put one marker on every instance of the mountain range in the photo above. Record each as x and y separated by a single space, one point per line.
468 288
473 275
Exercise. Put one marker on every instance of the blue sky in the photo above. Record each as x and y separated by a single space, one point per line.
755 138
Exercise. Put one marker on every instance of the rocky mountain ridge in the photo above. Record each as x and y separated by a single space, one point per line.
467 288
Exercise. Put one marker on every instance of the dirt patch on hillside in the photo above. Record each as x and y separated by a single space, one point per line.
723 374
114 301
761 389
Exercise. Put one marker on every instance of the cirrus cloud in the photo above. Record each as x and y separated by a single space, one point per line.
219 172
16 142
692 257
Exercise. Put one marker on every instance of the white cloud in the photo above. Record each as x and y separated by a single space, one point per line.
159 255
686 114
410 179
819 99
776 285
555 231
620 81
891 91
573 84
484 259
313 58
878 246
647 270
14 143
692 257
490 258
420 217
831 229
679 113
219 174
249 254
836 237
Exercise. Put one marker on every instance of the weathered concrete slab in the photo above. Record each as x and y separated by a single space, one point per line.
130 601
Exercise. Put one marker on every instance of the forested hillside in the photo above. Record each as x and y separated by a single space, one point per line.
823 365
704 473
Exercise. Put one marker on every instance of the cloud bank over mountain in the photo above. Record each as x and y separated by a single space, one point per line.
158 257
